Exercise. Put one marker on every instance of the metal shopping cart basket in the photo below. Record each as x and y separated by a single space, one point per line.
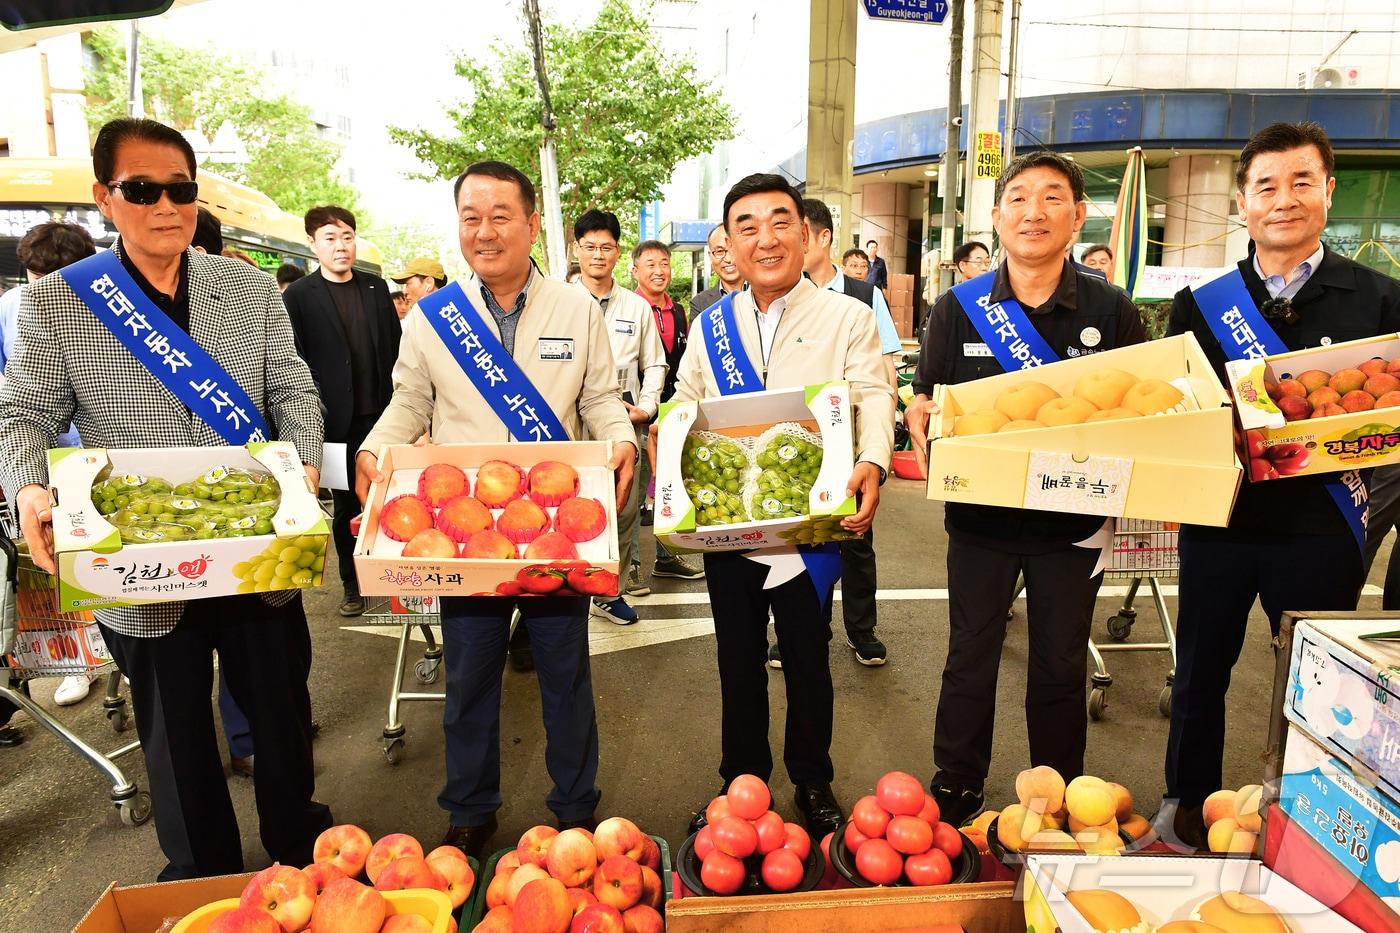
1142 550
36 640
409 613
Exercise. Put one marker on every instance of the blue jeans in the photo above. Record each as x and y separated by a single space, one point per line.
475 632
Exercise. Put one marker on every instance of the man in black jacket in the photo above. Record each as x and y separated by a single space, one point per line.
1289 544
1040 203
348 331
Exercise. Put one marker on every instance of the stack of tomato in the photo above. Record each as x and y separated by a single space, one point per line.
897 833
740 825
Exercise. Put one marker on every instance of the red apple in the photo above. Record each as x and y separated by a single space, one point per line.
387 849
1291 387
619 836
322 874
618 882
1261 469
409 872
1289 458
542 906
455 872
572 858
348 907
244 920
498 482
598 918
551 546
285 893
642 919
1293 408
533 847
346 847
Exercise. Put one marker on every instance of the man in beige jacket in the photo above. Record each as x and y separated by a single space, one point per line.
794 334
556 335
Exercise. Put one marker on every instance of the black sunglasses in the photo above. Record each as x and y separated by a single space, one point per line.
1281 310
149 192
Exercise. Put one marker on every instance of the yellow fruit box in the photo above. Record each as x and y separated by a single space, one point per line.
1175 466
1163 889
97 570
384 571
432 906
1278 448
823 410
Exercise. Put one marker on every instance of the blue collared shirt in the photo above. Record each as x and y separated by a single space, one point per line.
884 321
1301 273
507 321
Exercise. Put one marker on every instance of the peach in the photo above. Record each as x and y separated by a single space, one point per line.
533 848
1105 388
571 858
1040 789
284 893
496 890
430 543
508 862
348 907
1373 367
653 892
1124 799
1112 414
1023 400
1380 384
409 872
1218 806
525 874
1347 380
551 546
404 516
1388 400
986 421
580 519
440 482
551 482
1225 835
1019 426
406 923
1053 840
1294 408
1089 800
1247 801
1358 400
642 919
1136 826
346 847
522 521
984 820
598 918
387 849
651 852
542 906
456 872
579 898
463 516
1151 396
1060 411
245 920
1290 387
618 835
498 482
497 920
1323 396
1313 379
1015 825
618 882
322 875
491 545
1076 827
1393 367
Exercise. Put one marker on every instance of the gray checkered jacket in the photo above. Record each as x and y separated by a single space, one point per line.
67 366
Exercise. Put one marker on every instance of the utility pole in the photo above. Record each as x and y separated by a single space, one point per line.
986 101
1013 65
948 174
135 105
549 163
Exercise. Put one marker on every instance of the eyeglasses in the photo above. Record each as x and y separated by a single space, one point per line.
985 263
602 249
1281 310
149 192
718 252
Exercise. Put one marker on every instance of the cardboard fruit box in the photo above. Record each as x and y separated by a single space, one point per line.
97 570
823 410
1177 466
384 571
1277 448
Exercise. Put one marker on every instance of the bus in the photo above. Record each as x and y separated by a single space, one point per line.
35 191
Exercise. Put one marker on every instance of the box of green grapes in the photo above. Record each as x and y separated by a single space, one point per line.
759 470
154 524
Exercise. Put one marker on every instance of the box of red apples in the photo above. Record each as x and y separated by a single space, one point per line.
491 520
1326 410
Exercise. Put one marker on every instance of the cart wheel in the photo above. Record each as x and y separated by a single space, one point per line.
1164 702
117 719
1120 627
1098 702
135 810
426 670
393 751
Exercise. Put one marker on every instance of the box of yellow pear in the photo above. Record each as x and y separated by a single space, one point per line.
1139 432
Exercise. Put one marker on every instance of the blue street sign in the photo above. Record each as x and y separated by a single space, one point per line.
649 222
907 11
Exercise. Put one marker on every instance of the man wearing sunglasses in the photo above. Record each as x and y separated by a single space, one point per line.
1294 544
199 317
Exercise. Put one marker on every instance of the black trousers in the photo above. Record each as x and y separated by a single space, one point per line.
347 505
858 584
1219 579
264 657
1060 597
803 623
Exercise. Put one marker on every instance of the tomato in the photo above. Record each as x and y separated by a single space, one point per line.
946 838
782 870
899 793
798 841
910 835
722 874
878 862
830 875
869 817
735 837
854 838
930 813
769 827
932 867
748 797
717 810
704 843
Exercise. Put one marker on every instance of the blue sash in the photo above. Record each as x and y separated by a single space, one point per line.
1243 333
1003 326
166 351
493 371
735 374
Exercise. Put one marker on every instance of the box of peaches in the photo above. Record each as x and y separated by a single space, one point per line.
1138 432
1324 410
491 520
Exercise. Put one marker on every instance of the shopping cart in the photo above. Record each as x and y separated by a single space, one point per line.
1142 550
409 613
36 640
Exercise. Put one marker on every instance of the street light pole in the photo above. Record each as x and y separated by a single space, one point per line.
135 106
986 101
549 163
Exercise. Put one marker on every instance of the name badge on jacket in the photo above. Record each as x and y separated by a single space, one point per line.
627 328
976 349
557 348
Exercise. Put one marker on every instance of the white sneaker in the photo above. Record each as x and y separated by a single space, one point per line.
74 689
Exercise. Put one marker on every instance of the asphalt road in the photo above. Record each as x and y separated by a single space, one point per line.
61 841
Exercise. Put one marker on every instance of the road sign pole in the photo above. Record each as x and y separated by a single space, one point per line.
986 101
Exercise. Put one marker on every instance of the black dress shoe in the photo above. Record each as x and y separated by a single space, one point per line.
10 737
589 824
819 809
470 839
352 605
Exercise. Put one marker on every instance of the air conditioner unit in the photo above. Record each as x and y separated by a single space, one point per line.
1329 76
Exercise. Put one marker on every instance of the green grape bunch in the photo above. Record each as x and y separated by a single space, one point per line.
221 503
780 495
715 506
794 455
719 464
283 565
